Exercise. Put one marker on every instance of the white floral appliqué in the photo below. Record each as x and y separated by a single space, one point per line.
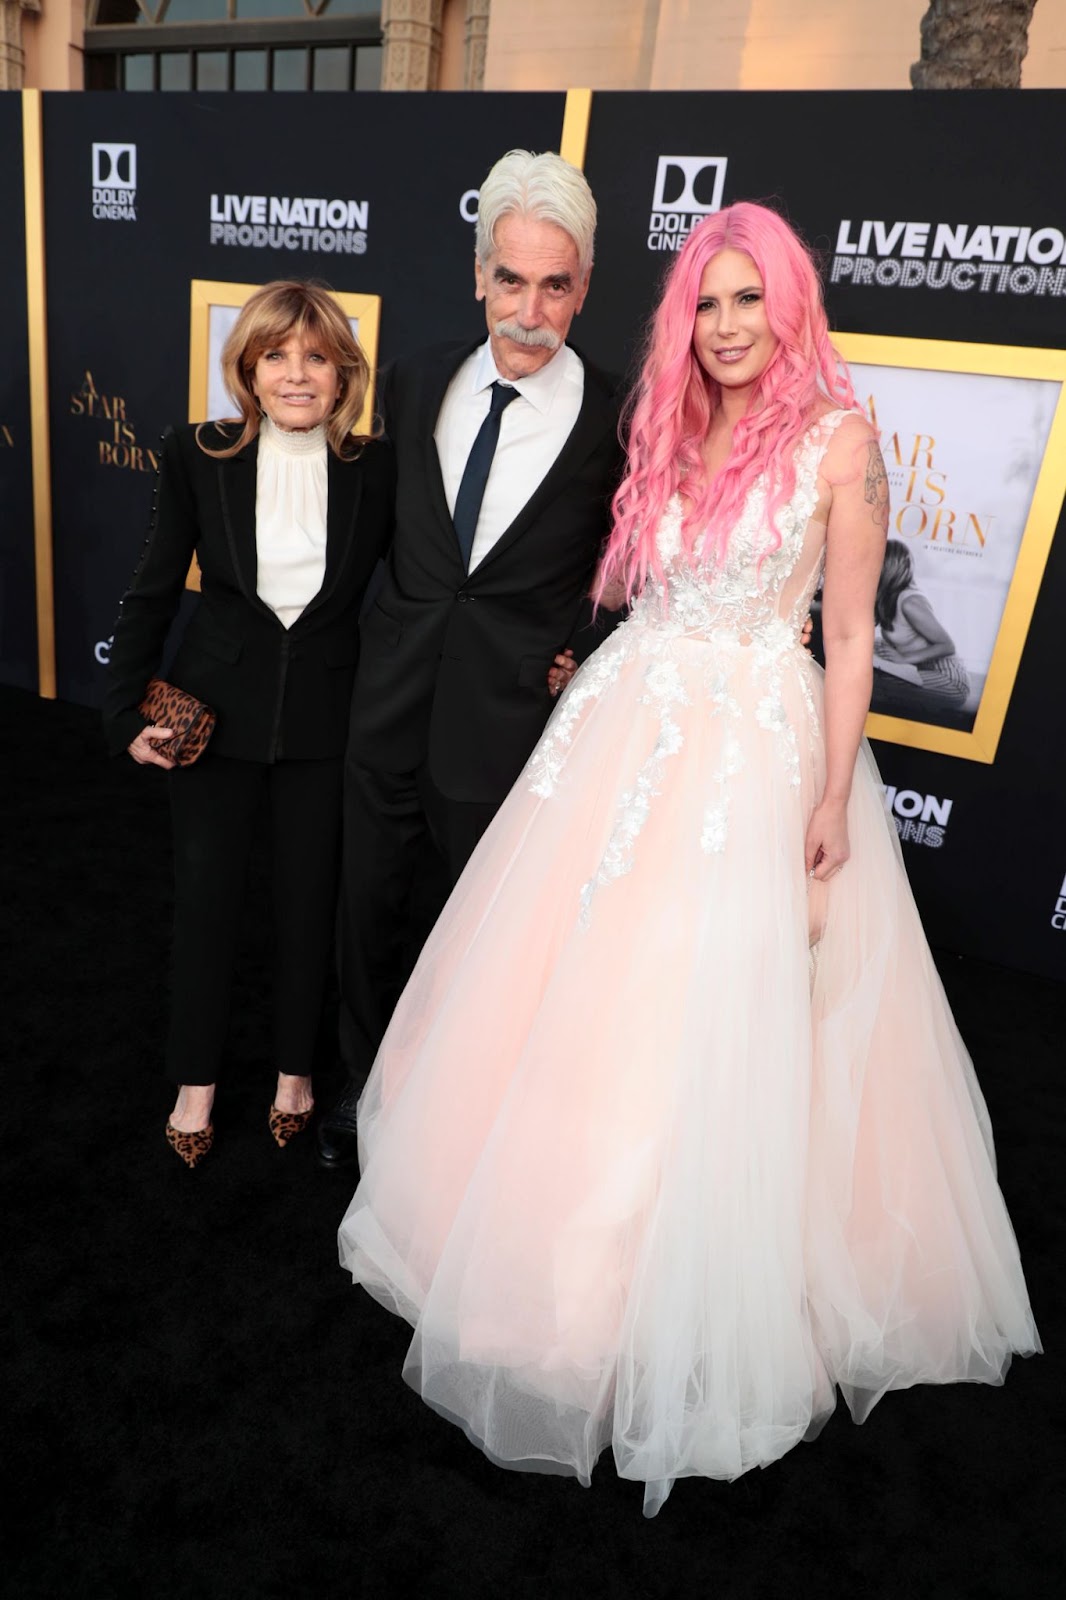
748 638
664 688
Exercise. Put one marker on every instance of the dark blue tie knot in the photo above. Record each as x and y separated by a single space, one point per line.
501 395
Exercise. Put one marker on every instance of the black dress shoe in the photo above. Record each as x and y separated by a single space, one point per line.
337 1134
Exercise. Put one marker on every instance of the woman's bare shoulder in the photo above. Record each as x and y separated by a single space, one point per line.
853 449
852 426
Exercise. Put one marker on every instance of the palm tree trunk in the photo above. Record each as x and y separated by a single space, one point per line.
973 44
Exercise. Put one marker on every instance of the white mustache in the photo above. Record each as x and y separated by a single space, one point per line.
531 337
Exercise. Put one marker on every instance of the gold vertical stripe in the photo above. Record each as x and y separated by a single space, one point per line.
576 126
41 456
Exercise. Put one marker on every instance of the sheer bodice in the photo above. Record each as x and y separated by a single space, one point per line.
759 594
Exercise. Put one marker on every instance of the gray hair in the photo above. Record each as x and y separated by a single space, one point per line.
545 188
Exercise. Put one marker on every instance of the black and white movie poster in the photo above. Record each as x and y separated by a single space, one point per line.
963 453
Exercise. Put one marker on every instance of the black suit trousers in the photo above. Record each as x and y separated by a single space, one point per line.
405 847
214 809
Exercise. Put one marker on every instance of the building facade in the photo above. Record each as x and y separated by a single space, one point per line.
152 45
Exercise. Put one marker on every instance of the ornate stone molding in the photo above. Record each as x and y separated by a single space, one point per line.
12 55
477 38
412 36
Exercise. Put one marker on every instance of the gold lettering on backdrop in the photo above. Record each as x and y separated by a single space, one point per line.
89 402
79 397
117 447
130 456
7 438
919 492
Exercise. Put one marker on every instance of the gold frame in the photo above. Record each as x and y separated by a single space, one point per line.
205 293
996 361
40 434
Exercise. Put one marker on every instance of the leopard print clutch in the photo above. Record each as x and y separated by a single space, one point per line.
165 706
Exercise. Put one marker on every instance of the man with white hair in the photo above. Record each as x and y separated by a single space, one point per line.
507 456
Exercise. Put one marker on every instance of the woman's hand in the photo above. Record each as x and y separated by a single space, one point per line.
827 847
144 752
560 673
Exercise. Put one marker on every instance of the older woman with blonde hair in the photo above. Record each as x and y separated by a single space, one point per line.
287 510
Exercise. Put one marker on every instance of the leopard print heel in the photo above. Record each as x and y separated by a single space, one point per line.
191 1147
285 1125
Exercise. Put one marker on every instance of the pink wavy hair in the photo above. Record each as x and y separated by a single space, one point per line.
674 402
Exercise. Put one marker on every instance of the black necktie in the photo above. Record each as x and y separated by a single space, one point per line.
476 472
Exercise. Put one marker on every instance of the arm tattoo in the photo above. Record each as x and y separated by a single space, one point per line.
875 490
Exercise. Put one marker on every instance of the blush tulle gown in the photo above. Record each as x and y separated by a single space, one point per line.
665 1145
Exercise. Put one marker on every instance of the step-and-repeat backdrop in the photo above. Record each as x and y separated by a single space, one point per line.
146 197
943 242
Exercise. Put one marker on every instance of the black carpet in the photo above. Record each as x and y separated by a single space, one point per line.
200 1404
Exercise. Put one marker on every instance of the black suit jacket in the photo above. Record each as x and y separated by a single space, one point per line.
277 692
453 670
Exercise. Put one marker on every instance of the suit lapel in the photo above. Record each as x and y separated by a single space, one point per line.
237 488
597 414
236 484
344 487
436 387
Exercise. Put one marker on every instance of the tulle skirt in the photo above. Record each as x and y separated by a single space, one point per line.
665 1144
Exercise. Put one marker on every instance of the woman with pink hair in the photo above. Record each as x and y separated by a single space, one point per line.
672 1135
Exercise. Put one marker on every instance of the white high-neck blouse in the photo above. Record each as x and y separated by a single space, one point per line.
290 518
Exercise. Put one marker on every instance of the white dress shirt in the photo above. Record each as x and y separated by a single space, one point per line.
290 518
533 430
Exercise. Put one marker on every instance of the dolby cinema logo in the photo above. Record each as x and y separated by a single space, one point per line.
115 182
687 189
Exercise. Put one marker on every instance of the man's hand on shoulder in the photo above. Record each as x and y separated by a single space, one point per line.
560 672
